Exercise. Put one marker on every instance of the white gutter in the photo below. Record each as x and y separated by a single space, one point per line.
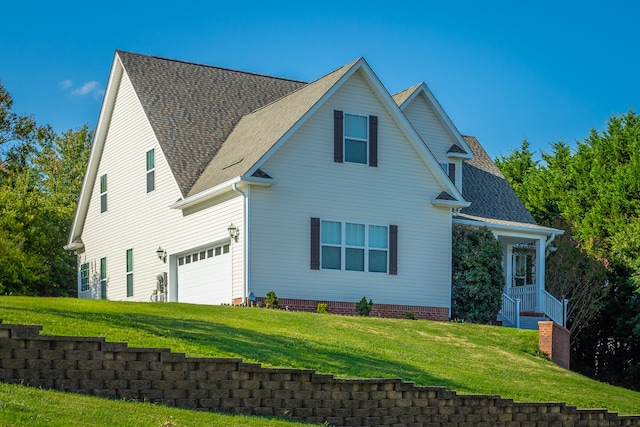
245 240
220 189
536 229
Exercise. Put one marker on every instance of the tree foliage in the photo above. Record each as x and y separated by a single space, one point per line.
593 193
478 281
40 178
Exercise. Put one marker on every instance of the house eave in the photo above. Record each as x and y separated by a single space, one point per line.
464 156
219 189
455 204
514 227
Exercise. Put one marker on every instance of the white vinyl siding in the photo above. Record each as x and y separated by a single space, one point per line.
129 222
399 191
433 132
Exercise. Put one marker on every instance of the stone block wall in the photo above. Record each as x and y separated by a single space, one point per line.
555 342
91 366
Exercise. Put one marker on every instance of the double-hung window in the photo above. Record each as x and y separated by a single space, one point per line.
355 138
354 246
103 278
84 277
103 193
151 171
129 272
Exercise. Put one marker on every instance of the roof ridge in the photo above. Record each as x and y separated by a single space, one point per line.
118 51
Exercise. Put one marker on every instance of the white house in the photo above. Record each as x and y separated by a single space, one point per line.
214 186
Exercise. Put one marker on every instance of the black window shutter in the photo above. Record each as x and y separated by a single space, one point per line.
452 172
393 249
373 141
338 133
315 243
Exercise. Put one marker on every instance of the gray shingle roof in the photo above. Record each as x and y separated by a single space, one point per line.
257 132
193 108
490 194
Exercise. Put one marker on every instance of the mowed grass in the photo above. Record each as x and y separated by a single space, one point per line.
22 406
463 357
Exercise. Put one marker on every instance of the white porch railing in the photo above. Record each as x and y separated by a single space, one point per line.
555 309
511 310
526 294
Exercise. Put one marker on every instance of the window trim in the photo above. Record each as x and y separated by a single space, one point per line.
103 193
150 171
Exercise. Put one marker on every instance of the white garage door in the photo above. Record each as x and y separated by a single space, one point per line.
204 277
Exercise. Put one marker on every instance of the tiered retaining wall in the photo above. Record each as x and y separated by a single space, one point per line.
89 365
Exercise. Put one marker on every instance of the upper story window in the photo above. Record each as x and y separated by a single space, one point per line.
450 170
103 193
355 138
151 168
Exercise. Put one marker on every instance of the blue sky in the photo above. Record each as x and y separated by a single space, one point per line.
502 70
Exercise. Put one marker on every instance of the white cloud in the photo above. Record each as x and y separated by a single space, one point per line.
65 84
89 88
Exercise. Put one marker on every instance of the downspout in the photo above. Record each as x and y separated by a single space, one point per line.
245 241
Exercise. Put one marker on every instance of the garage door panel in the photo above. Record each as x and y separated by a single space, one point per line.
205 280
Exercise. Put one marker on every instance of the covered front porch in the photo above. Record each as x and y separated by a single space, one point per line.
525 300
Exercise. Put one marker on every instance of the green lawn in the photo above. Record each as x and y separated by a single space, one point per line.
463 357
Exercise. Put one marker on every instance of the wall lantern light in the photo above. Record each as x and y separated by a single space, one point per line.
234 232
162 254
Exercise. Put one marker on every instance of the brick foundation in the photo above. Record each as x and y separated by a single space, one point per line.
91 366
555 342
394 311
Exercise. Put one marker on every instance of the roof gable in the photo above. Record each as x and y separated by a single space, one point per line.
404 98
193 108
258 132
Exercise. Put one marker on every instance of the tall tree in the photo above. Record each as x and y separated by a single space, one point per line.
40 179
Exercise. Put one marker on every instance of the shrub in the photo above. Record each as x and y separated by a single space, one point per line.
322 308
363 308
271 301
477 280
410 315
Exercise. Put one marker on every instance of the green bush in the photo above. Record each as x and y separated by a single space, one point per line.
322 308
363 308
477 280
410 315
271 301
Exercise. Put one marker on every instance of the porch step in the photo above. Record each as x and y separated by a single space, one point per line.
527 321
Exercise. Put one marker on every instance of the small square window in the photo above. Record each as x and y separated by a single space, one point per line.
195 257
181 260
219 250
187 259
203 255
225 249
209 253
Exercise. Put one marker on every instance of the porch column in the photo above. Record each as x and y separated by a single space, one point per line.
540 252
508 267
